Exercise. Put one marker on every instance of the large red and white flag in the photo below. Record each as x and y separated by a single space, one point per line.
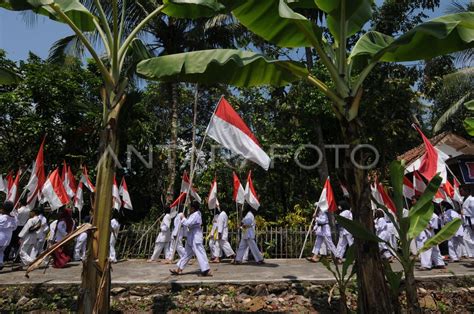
37 178
180 200
432 161
185 187
12 195
418 183
53 191
116 201
449 189
374 191
212 201
250 193
408 188
239 193
327 202
79 197
69 181
457 194
386 199
228 128
86 181
126 200
440 196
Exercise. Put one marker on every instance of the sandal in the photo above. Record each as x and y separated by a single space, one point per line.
312 260
423 269
176 272
206 273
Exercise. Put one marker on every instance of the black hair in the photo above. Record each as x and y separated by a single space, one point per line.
195 205
344 205
87 219
167 209
446 205
8 206
23 201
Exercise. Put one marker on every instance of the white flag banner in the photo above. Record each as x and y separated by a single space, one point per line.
126 200
117 203
212 201
250 193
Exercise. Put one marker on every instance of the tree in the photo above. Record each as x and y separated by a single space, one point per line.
118 43
283 23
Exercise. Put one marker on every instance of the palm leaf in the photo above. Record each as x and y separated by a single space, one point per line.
448 114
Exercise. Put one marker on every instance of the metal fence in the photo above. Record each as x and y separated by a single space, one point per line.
274 242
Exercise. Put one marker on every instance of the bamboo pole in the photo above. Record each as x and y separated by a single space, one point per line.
309 230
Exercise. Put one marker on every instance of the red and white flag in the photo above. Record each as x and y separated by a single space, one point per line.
239 193
116 201
79 197
440 196
229 130
250 193
374 191
86 181
418 184
212 201
457 194
327 202
37 178
408 188
69 181
345 192
449 189
13 188
432 161
185 187
180 200
53 191
126 200
386 199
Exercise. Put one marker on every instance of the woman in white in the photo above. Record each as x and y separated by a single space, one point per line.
381 230
213 241
248 239
323 234
432 255
223 234
8 223
29 238
162 241
455 243
43 231
81 243
177 236
194 245
345 237
114 230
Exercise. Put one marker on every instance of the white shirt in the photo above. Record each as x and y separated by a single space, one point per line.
165 230
214 232
7 225
346 214
30 236
177 227
449 216
468 206
222 227
61 231
381 228
44 227
23 214
193 223
115 228
321 226
248 226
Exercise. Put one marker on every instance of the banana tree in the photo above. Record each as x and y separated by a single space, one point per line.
117 43
408 228
284 24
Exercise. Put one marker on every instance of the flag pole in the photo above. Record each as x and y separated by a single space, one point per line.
451 172
309 230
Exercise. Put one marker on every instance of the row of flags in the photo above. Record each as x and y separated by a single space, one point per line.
58 189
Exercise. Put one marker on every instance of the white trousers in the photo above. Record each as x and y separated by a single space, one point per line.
246 244
224 245
27 253
469 240
40 246
319 241
2 249
344 241
413 249
431 257
112 253
178 243
214 248
159 248
80 248
455 248
194 249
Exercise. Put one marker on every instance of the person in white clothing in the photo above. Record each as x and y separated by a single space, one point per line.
29 237
323 234
213 241
248 239
468 218
194 242
223 235
432 255
456 241
345 237
22 215
177 236
381 230
114 231
162 241
81 244
8 224
43 232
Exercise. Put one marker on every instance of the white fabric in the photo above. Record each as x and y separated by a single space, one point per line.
237 141
27 236
381 230
27 253
441 165
22 215
165 230
321 226
244 246
250 197
80 247
116 201
345 237
468 207
7 225
161 247
223 231
194 243
52 229
212 201
248 226
327 240
61 231
177 239
115 228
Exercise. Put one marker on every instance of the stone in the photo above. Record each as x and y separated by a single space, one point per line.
140 293
471 289
23 300
428 302
117 290
261 290
256 304
422 291
33 304
246 290
277 289
202 297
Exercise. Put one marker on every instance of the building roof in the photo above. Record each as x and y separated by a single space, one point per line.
448 142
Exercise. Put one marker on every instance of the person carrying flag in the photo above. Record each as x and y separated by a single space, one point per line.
323 234
248 239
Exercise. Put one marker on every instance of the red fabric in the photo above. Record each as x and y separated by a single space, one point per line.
449 189
227 113
180 200
429 161
237 185
388 202
330 196
250 183
60 258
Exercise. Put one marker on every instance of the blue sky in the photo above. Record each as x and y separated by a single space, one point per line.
18 38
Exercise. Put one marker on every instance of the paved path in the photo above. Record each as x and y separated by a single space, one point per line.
275 270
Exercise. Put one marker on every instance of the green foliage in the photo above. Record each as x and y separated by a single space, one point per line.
469 122
444 234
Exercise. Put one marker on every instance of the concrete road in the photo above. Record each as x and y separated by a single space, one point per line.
275 270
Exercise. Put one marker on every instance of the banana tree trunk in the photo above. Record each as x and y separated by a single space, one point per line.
95 286
373 294
413 306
